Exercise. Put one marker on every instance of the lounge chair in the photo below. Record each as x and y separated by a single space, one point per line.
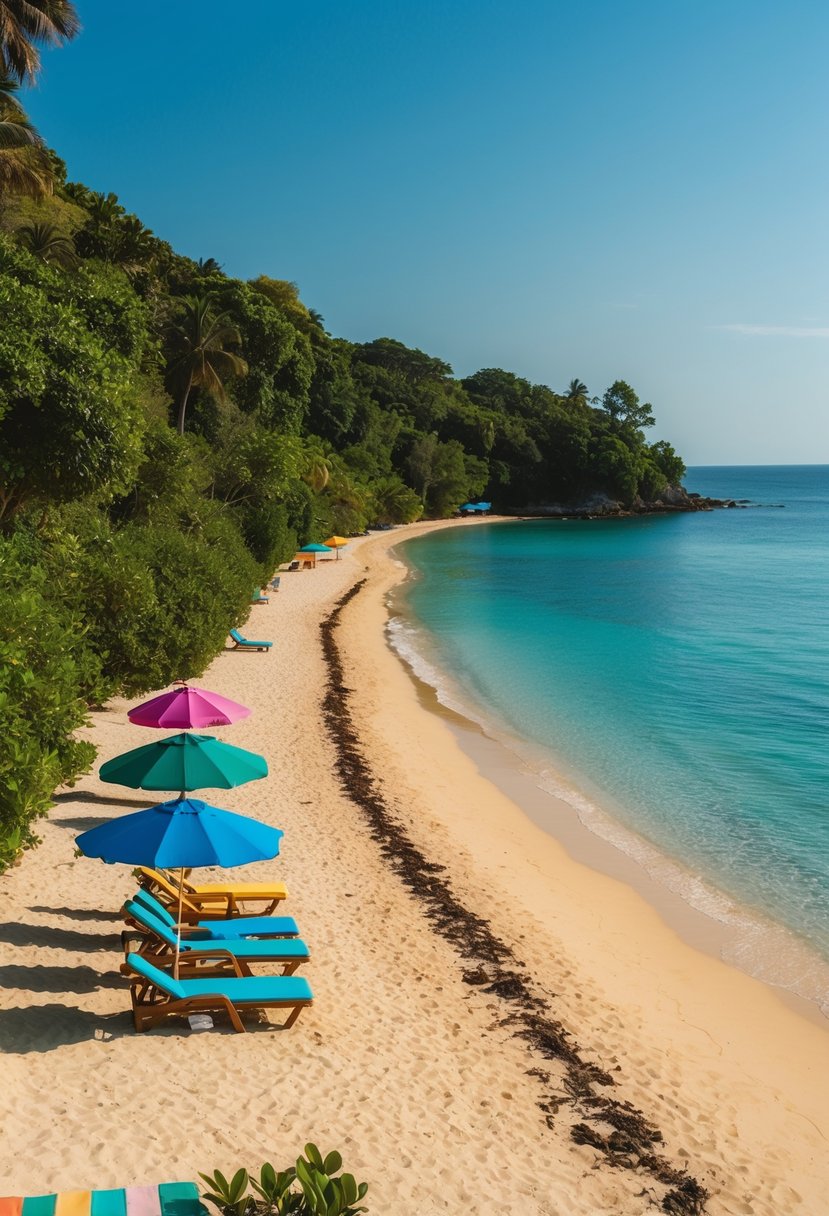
258 597
156 994
216 899
169 1199
275 583
159 945
220 930
240 643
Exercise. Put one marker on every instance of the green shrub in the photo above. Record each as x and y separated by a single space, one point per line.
43 662
268 535
312 1187
164 600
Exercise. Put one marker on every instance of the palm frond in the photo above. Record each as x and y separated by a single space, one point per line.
27 24
26 171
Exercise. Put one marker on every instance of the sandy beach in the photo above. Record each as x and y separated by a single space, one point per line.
471 1023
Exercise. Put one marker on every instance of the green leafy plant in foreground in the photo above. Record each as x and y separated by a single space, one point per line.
311 1187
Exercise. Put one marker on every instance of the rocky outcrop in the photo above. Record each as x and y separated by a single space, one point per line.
600 506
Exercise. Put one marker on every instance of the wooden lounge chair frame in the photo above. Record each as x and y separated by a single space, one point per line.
209 957
221 902
151 1005
195 966
266 926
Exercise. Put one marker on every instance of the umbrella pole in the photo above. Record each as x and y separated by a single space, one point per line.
178 920
183 794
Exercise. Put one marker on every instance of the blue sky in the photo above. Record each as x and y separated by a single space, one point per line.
606 190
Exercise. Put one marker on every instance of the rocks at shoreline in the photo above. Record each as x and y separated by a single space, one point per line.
600 506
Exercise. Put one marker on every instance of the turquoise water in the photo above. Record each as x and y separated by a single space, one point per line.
675 668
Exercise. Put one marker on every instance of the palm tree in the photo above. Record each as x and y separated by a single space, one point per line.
576 391
27 24
393 502
208 266
201 358
133 245
49 244
103 208
317 470
25 167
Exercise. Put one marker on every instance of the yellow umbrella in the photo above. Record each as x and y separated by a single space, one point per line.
337 542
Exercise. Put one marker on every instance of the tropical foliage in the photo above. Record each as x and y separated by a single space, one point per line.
26 25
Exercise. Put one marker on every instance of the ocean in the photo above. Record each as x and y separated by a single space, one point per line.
669 677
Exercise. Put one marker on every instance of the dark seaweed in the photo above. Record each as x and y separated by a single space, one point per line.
617 1130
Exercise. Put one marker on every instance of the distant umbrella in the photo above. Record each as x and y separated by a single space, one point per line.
185 762
315 548
337 542
185 707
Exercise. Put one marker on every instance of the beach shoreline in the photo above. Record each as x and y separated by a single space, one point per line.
409 1061
730 1009
703 915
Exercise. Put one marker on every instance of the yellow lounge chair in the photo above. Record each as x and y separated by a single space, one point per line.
213 899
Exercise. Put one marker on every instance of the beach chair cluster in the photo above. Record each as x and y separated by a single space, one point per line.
219 941
168 1199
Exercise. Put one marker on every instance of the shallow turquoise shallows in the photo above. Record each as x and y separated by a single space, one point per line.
674 667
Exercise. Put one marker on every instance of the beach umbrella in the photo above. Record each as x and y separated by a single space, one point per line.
315 548
185 762
179 834
184 707
337 542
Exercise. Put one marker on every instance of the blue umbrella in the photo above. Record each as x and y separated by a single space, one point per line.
179 834
315 548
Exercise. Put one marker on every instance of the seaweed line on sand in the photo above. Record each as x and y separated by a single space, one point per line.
620 1133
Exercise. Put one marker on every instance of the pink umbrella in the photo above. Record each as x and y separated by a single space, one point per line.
185 707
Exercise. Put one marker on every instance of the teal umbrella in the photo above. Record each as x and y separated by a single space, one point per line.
315 548
185 762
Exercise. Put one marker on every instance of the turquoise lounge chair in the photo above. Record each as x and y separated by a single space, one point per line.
156 994
160 944
240 643
258 597
220 930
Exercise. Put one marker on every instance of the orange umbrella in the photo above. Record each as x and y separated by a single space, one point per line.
337 542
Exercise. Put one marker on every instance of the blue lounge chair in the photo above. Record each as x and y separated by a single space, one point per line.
275 582
258 597
221 930
160 944
240 643
156 994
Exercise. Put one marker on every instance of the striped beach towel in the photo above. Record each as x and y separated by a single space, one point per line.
168 1199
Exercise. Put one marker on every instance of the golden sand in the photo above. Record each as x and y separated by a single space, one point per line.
408 1070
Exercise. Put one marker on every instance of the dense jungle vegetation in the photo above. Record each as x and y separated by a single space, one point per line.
169 434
